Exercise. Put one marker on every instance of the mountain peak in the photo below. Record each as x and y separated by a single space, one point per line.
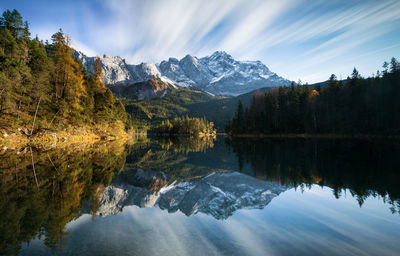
219 53
189 58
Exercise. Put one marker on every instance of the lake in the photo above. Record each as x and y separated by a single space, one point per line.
203 196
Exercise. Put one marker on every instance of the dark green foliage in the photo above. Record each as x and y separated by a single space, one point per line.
238 121
186 125
47 78
353 106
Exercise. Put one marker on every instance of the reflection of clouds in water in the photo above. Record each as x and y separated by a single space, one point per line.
304 223
75 224
175 233
316 221
312 221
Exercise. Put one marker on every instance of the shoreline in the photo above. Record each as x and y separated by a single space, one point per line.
59 139
200 135
315 136
62 139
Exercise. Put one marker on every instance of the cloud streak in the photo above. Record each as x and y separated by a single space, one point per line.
295 38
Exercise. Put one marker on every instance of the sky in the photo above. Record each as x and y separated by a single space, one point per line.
297 39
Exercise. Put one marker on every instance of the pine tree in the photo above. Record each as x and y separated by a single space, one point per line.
12 21
238 121
394 65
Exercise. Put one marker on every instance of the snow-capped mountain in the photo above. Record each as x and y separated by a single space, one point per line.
218 194
218 74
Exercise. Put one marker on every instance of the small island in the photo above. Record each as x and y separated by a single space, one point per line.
186 126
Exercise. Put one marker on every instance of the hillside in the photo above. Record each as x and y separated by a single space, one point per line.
181 101
177 102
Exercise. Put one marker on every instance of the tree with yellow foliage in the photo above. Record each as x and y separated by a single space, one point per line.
69 76
98 73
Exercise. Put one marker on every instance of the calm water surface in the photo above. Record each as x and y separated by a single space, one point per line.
203 197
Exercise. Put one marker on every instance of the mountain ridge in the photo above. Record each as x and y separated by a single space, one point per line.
216 74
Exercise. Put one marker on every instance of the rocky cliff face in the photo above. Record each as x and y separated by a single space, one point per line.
153 88
218 194
218 74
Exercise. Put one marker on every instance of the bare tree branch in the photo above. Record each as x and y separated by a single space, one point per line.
53 119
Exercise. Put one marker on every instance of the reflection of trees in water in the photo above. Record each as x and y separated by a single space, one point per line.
68 177
365 168
186 144
173 156
65 178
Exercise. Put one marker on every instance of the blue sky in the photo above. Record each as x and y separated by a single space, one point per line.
298 39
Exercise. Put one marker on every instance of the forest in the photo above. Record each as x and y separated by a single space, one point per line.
355 105
43 87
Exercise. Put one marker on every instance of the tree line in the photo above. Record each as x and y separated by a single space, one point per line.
355 105
42 85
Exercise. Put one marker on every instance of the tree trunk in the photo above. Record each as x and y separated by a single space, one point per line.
34 118
33 167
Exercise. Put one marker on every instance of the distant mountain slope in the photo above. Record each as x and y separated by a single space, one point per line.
179 102
218 74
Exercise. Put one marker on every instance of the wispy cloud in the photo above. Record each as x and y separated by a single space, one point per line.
295 38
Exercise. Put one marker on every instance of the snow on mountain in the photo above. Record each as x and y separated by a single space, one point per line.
218 194
217 74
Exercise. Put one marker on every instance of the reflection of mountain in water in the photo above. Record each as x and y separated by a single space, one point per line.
218 194
141 188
